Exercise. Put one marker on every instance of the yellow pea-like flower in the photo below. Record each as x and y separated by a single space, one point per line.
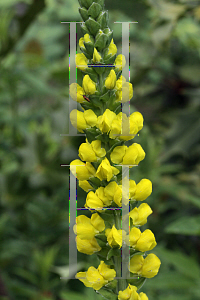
82 277
120 62
143 190
96 56
114 236
84 184
140 214
104 122
93 201
112 49
150 266
78 121
89 86
96 146
146 241
143 296
90 117
83 171
136 264
87 153
105 171
127 93
118 153
81 43
129 293
81 61
87 246
87 38
95 278
97 222
134 154
101 194
110 190
120 82
138 119
134 236
77 92
105 271
110 80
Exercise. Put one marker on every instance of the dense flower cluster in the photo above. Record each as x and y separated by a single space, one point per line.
98 170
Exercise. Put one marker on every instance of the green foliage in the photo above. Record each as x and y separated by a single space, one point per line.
34 220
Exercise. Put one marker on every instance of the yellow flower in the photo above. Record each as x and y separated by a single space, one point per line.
143 190
81 42
104 122
114 236
91 152
83 171
94 277
82 277
141 241
117 154
120 82
86 153
96 56
146 241
143 296
106 171
101 194
77 92
93 201
138 119
106 272
89 86
110 190
83 120
84 184
87 228
129 127
110 80
139 214
127 93
112 49
87 38
81 61
129 293
147 267
134 154
87 246
120 62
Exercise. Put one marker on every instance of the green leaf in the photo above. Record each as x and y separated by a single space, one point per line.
185 225
109 295
84 13
103 20
114 252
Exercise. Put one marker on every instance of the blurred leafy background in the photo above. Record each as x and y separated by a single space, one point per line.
165 73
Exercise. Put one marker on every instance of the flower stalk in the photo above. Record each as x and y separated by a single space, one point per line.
98 171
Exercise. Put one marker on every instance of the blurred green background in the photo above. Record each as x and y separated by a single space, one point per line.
165 73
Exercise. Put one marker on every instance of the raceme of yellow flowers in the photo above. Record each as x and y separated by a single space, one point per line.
98 170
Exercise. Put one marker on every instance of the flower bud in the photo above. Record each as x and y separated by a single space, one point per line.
96 56
77 92
89 86
120 62
112 49
110 80
81 61
81 43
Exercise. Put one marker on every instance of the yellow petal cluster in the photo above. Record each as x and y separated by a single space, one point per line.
88 247
84 184
146 267
87 228
96 278
144 241
127 90
112 49
120 62
131 155
89 86
105 171
83 120
81 61
96 56
114 236
130 294
104 121
110 80
83 171
91 152
140 214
